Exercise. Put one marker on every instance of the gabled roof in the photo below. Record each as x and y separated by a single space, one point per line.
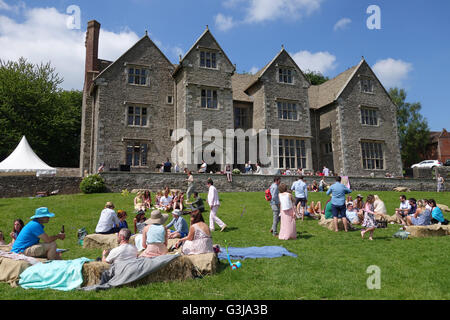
206 32
261 72
328 92
240 82
144 38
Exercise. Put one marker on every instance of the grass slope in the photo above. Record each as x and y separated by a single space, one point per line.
328 266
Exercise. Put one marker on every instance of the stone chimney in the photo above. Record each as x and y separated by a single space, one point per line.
92 65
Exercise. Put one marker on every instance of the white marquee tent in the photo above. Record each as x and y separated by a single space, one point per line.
23 159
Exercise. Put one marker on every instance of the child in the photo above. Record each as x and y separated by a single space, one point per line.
158 198
139 221
147 197
369 217
122 215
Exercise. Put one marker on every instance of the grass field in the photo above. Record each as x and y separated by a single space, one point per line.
328 266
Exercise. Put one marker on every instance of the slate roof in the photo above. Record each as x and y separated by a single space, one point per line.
239 83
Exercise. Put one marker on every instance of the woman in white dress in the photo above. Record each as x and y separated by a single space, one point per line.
199 238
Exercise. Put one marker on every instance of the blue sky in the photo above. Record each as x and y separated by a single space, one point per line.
411 50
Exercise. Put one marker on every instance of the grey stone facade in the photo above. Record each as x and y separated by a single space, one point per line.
278 97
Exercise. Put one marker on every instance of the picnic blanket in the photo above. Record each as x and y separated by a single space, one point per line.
255 252
126 272
61 275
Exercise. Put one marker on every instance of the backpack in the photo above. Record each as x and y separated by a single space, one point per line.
268 195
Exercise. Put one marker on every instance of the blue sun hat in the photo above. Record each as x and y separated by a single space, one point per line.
42 212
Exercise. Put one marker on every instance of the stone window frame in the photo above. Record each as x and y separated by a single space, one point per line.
286 68
373 156
137 105
297 104
299 145
211 52
368 108
143 143
327 148
171 98
206 89
135 66
371 83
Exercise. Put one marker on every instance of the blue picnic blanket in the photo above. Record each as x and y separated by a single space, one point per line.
255 252
61 275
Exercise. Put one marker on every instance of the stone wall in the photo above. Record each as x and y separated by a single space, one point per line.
29 186
118 181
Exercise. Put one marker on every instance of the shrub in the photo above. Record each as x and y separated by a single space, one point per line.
236 171
93 183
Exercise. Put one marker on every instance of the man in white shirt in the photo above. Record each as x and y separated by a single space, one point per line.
166 201
203 167
108 222
213 201
326 171
403 209
124 251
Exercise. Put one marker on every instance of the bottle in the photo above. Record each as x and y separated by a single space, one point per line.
62 229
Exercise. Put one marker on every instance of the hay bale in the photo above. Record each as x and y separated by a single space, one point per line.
329 224
100 241
92 272
402 189
433 230
179 269
393 219
205 263
10 270
443 207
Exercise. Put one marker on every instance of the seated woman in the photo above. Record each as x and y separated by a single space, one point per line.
314 210
379 208
139 222
199 238
147 198
436 213
18 226
122 215
139 202
422 216
349 199
154 235
328 211
314 186
178 201
352 214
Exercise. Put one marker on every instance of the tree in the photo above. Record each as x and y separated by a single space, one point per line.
413 131
32 104
315 77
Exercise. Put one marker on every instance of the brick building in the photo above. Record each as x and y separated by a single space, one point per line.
133 106
439 146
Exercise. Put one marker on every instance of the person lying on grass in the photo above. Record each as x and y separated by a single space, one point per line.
125 250
27 242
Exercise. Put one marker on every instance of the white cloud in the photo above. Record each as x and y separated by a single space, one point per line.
266 10
14 8
257 11
342 24
42 36
392 72
224 23
319 61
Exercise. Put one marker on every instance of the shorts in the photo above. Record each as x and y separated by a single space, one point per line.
182 234
301 200
338 211
39 250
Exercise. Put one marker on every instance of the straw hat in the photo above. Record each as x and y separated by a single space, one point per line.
156 217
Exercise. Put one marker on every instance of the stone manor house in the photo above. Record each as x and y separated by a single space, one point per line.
132 106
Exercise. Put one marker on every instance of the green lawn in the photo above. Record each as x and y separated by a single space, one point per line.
328 266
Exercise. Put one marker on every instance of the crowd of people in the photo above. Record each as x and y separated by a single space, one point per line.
288 205
369 214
